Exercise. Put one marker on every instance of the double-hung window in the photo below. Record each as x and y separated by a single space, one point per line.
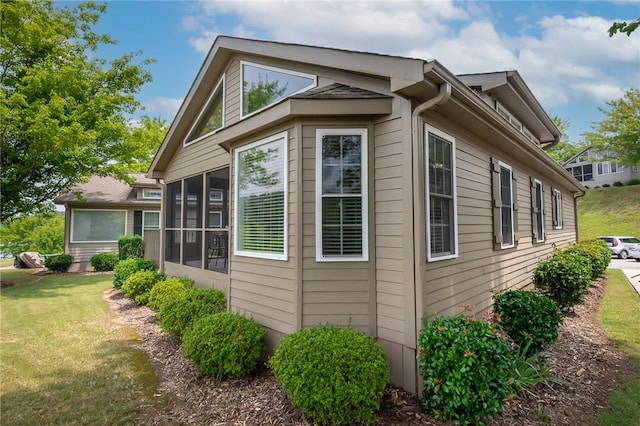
442 233
556 206
341 195
537 210
260 221
505 206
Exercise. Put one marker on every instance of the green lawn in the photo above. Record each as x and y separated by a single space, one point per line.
62 360
620 317
609 211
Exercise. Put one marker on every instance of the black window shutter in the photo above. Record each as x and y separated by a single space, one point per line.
137 222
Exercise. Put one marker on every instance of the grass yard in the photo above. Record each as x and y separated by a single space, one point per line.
609 211
62 361
620 317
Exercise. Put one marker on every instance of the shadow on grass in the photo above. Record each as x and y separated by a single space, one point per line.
109 394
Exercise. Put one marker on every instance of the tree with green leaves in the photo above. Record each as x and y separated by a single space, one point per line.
43 233
565 149
623 27
619 133
63 109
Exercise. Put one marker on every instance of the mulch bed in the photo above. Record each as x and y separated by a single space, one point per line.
583 356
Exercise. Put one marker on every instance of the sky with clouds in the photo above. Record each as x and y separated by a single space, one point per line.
561 48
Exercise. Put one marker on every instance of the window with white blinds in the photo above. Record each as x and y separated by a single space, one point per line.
442 232
341 195
506 207
261 198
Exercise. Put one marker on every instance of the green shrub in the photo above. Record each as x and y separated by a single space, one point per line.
104 261
128 267
130 246
597 252
634 181
139 284
564 278
465 366
224 345
179 311
59 263
334 375
530 318
166 289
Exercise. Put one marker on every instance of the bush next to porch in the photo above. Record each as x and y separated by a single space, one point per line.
179 312
164 290
334 375
224 345
139 284
125 268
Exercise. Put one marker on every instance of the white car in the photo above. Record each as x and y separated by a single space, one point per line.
634 252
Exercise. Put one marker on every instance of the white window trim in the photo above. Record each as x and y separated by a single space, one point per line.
126 225
364 189
428 129
220 85
557 195
147 197
219 214
281 70
540 238
144 225
513 212
237 151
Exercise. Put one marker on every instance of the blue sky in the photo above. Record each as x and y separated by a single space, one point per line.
561 48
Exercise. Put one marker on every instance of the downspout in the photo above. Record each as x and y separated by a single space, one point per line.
444 93
575 212
550 145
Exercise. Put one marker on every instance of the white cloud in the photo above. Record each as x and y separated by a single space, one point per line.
564 59
165 107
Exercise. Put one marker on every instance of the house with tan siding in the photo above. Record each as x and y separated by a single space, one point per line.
317 185
103 209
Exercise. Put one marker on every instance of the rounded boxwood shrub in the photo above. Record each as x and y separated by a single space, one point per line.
130 246
126 268
224 345
333 375
179 311
163 290
104 261
564 278
59 263
465 366
139 284
528 317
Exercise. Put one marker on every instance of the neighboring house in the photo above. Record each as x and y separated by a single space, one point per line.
596 168
105 209
332 186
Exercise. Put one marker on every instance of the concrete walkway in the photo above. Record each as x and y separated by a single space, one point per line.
634 278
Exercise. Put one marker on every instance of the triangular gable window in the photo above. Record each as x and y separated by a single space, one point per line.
211 118
263 86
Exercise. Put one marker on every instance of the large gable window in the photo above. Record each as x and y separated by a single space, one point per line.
442 238
211 118
261 198
341 195
97 226
537 210
505 206
263 86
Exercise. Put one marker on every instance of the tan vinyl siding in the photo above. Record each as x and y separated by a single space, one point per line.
263 288
332 292
480 268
